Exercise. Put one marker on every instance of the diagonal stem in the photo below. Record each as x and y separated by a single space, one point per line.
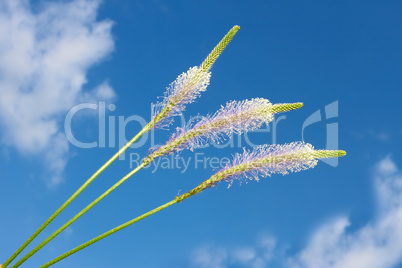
112 231
69 200
77 216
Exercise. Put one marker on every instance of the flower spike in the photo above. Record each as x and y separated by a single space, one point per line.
217 51
266 160
188 86
184 90
236 117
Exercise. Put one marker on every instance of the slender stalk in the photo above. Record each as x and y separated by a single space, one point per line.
77 216
112 231
69 200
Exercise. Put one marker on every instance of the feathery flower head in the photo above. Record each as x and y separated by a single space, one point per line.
184 90
188 86
236 117
269 159
266 160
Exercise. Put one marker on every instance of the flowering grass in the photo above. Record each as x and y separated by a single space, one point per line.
184 91
236 117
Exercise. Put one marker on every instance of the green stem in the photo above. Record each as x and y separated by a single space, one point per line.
69 200
77 216
178 199
112 231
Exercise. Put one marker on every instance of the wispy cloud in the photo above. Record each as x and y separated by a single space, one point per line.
376 245
44 59
381 135
254 256
210 257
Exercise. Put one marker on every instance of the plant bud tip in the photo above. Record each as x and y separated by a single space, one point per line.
341 153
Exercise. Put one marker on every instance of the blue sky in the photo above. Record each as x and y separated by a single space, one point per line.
342 59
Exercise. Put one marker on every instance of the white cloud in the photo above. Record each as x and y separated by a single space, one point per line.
210 257
44 58
376 245
255 256
104 92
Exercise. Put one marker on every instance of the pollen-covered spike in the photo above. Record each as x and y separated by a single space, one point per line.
184 90
236 117
188 86
266 160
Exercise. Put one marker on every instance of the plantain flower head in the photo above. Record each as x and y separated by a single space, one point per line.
274 159
184 90
236 117
188 86
264 161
